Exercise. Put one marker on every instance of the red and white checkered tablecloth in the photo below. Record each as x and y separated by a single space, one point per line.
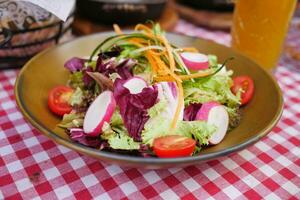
34 167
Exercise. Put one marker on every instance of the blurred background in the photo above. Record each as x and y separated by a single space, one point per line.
26 29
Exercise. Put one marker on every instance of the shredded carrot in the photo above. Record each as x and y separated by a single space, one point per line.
164 78
138 44
175 76
152 62
139 40
162 71
179 107
117 29
169 53
189 49
142 27
159 53
162 66
154 52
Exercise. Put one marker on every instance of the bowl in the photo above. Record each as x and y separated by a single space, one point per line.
46 70
123 12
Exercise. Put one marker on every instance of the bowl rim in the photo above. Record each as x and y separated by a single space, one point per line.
135 159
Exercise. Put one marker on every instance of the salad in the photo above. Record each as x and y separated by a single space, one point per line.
139 94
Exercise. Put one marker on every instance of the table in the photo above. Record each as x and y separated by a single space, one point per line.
34 167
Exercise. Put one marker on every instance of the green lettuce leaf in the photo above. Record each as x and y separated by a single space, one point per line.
118 138
215 88
76 80
155 127
160 126
72 120
158 108
213 60
116 119
198 130
76 98
235 117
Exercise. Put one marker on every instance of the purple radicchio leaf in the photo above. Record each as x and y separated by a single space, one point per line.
78 135
144 148
75 64
133 107
87 79
145 151
110 66
124 68
104 145
106 67
173 87
104 82
190 112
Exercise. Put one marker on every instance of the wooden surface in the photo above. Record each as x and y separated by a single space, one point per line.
82 26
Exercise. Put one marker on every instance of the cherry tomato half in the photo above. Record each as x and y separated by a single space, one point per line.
58 99
246 84
172 146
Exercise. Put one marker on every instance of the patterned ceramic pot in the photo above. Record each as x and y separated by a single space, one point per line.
26 29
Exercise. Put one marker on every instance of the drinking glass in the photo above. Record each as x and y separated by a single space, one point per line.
259 29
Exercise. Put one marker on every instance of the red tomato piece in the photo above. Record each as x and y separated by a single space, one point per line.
172 146
58 99
246 84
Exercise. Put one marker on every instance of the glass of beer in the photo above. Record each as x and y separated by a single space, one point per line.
259 29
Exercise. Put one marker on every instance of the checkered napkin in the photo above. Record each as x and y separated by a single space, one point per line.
34 167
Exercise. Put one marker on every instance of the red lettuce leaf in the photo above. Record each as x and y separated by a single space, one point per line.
87 79
78 135
75 64
124 68
110 66
106 67
172 85
133 107
190 112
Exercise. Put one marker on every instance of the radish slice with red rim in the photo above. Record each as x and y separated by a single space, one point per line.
195 61
135 85
99 112
215 114
168 91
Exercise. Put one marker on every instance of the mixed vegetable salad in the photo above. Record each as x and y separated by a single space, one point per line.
139 94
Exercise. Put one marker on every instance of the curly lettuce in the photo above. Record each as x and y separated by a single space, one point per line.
72 120
118 138
77 97
215 88
158 126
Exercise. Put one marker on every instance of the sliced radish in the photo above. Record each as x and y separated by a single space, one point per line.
168 91
215 114
99 112
195 61
135 85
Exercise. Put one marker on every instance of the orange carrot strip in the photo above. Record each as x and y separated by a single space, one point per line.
190 49
142 27
179 107
117 29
